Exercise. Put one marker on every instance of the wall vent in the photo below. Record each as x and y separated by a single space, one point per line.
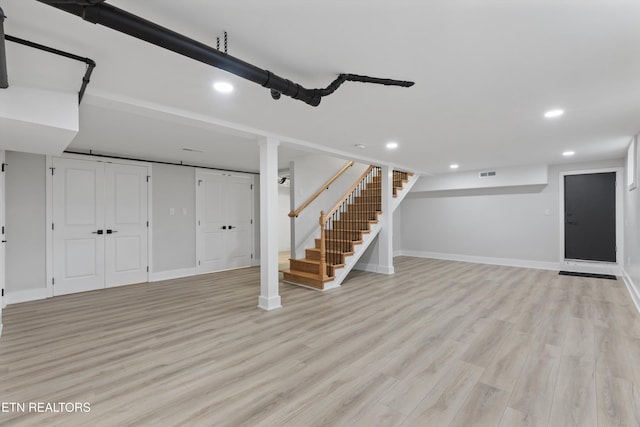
487 174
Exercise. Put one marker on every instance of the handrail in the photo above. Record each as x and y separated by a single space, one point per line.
315 195
346 194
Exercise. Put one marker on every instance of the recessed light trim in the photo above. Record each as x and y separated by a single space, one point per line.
360 146
553 114
568 153
392 145
454 166
223 87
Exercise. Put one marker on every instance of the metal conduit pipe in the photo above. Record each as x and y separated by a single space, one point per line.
98 12
4 78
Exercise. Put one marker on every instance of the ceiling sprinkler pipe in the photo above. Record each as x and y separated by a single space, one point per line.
4 78
98 12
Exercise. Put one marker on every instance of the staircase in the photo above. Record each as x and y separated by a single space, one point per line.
345 232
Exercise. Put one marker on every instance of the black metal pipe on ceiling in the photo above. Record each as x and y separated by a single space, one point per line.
4 78
98 12
91 64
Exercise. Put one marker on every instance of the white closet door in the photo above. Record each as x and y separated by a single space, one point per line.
238 213
78 217
125 224
210 249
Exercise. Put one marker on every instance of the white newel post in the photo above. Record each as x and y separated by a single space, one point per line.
269 287
385 238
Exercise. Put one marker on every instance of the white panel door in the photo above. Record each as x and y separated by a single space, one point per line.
125 224
224 235
210 221
78 226
239 213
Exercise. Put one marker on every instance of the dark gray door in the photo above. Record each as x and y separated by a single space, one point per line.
590 217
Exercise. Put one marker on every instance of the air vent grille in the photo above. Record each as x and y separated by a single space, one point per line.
487 174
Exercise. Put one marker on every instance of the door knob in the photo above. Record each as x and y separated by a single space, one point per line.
231 227
224 227
97 232
111 231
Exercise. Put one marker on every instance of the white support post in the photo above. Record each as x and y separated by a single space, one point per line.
385 238
269 287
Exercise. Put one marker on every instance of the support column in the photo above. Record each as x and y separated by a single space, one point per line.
385 237
269 287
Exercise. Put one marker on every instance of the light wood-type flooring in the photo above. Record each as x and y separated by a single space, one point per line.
437 344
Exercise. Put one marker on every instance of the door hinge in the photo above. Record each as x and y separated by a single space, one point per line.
3 229
252 186
251 221
251 256
3 166
147 224
147 268
198 262
52 171
52 226
3 292
53 281
148 177
199 182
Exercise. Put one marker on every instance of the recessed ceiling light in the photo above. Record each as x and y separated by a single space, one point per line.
392 145
568 153
454 166
193 150
223 87
360 146
552 114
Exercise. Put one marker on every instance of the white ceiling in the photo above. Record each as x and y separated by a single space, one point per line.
485 72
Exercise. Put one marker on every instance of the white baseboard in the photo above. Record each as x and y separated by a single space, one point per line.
632 288
591 267
172 274
373 268
270 303
509 262
16 297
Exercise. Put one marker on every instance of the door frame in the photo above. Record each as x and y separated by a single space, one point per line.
254 259
597 267
49 208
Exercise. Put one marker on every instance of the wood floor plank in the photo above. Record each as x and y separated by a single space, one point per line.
413 348
533 392
618 402
446 397
505 367
514 418
483 408
574 401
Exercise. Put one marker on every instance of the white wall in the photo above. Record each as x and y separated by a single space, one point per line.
632 233
174 236
500 224
307 175
284 222
25 222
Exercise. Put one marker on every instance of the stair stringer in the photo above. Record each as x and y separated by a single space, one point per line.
358 250
401 194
